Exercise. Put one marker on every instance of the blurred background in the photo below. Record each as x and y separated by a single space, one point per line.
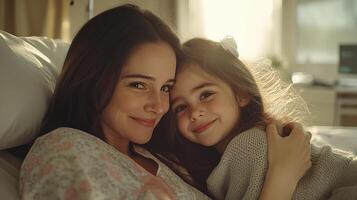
313 43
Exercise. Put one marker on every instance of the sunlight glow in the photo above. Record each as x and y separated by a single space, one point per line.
249 22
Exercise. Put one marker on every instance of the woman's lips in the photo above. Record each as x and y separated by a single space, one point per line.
203 126
145 122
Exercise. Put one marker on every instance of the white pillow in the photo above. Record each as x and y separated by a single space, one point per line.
29 67
342 138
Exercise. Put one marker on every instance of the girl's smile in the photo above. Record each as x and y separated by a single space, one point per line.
203 126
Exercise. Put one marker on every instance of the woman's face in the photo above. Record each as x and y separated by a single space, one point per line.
205 107
141 96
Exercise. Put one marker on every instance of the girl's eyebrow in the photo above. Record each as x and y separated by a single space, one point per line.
145 77
171 81
200 86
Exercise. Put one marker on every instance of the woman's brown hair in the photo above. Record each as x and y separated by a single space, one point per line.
94 62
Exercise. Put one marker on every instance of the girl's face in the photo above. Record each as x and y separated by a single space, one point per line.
206 108
141 96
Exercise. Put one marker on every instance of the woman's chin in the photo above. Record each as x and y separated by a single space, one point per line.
142 140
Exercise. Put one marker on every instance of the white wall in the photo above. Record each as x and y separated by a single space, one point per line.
165 9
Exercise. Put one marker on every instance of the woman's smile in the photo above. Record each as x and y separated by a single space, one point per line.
145 122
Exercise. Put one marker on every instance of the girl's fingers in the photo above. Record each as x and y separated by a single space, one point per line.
269 120
297 134
308 136
295 126
272 130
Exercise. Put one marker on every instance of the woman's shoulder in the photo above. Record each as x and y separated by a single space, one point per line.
65 140
68 133
67 161
74 143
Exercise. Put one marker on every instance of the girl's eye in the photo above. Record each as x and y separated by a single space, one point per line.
137 85
179 108
205 95
166 88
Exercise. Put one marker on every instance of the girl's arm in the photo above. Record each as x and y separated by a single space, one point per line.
288 158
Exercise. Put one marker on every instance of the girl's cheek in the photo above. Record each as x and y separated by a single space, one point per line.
181 120
180 115
215 104
182 130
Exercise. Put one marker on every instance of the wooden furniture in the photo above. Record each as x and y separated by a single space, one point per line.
330 106
346 107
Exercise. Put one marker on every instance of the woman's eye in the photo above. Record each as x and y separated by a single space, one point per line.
166 88
179 108
205 95
137 85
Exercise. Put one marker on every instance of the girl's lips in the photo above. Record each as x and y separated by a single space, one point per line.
203 127
145 122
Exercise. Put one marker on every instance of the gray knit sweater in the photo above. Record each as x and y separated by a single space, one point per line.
241 171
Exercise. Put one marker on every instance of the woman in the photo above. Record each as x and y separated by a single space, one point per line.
114 87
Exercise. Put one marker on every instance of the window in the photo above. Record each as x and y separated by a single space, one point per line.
252 24
322 25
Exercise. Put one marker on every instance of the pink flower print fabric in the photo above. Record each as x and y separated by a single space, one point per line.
71 164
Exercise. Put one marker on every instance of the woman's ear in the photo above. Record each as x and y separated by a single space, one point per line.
243 99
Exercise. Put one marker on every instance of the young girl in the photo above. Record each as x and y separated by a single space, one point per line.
221 107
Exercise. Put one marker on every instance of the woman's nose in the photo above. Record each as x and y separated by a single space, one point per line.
157 103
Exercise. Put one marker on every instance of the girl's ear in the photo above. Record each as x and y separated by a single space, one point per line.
243 100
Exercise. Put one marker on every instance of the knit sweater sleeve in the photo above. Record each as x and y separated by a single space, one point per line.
347 185
241 171
332 171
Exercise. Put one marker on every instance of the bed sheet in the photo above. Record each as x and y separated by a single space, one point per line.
342 138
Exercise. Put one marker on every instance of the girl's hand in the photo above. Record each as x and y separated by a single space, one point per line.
288 158
290 155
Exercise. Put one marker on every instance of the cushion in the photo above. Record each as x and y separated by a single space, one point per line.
9 176
342 138
29 67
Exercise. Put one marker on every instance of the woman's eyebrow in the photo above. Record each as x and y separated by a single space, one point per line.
139 76
146 77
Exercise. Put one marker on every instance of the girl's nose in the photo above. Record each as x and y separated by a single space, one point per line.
196 113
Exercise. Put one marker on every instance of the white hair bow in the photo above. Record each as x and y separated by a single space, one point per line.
230 45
